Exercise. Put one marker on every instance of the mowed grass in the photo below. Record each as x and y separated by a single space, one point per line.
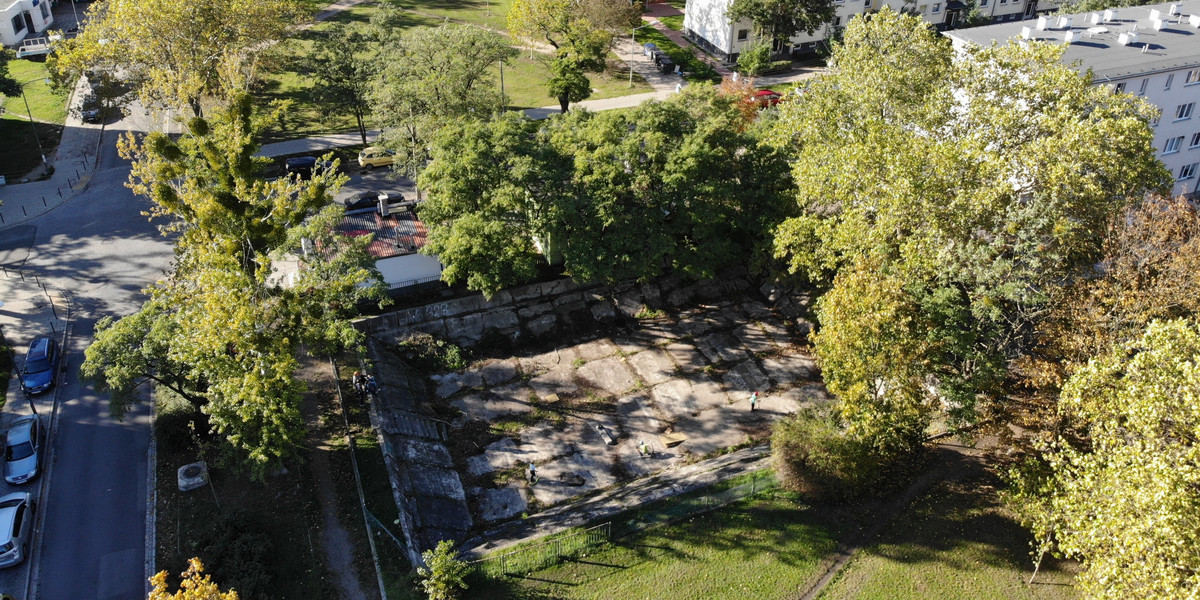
764 547
288 78
489 14
19 154
44 103
954 542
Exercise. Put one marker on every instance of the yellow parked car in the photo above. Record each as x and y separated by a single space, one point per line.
375 156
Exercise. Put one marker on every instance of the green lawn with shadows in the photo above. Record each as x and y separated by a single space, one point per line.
19 156
723 554
954 542
45 104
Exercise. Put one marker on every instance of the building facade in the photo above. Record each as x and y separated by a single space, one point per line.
705 23
23 18
1149 51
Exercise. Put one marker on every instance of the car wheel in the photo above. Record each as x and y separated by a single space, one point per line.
368 167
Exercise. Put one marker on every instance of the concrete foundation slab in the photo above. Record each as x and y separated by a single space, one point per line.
497 372
674 399
499 504
753 338
686 357
608 374
433 481
540 363
422 452
713 430
654 366
744 378
707 393
595 349
560 381
498 456
718 347
786 369
570 476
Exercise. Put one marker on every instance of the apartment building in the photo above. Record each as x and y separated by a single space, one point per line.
1149 51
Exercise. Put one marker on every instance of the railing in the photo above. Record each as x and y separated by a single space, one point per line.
539 556
528 559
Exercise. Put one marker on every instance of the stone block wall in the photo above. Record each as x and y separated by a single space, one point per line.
539 310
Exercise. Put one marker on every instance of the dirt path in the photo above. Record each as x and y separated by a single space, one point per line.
335 540
950 462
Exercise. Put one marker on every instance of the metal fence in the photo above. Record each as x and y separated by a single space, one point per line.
539 556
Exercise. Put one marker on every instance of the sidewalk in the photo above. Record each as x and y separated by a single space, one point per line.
643 491
74 161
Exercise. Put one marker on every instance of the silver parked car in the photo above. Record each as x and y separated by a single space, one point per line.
23 450
16 526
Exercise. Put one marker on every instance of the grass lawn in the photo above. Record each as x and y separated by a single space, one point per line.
954 542
44 103
19 154
674 22
490 14
723 554
682 56
525 82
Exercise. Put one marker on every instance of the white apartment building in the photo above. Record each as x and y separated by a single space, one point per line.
21 18
705 23
1150 51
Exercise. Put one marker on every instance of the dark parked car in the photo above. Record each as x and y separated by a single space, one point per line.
22 450
41 364
301 166
368 199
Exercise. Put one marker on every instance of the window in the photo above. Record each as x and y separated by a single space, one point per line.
982 3
1193 76
1170 78
1145 82
1173 145
18 23
837 21
1119 87
1188 171
743 34
937 8
1003 1
1195 140
1184 111
45 10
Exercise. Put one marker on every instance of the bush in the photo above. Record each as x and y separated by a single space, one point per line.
237 551
445 575
755 59
428 354
814 457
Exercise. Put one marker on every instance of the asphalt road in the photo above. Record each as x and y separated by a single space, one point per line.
104 252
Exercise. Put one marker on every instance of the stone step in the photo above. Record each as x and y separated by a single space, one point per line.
413 425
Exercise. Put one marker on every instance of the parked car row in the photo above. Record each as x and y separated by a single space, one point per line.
23 443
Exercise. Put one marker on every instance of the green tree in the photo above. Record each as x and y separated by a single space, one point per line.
429 77
8 86
182 53
754 58
1126 503
223 328
444 575
683 185
1084 6
983 182
567 82
780 20
343 72
554 21
973 16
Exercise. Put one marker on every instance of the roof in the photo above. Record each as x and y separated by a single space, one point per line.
1097 46
395 235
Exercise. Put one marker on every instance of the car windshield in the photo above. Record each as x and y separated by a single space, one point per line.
18 452
37 366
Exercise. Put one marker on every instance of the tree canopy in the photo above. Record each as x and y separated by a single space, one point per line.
978 185
683 185
195 586
779 20
182 52
429 77
1126 503
343 70
223 328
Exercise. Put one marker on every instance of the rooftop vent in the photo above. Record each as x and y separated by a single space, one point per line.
1069 37
1026 33
1174 9
1128 39
1157 24
1043 23
1194 20
1063 23
1096 18
1110 15
1155 14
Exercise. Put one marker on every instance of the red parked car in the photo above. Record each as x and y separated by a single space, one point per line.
766 98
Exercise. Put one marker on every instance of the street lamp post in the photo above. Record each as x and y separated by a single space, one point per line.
633 46
33 124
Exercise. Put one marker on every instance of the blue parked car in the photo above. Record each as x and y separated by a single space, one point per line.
41 364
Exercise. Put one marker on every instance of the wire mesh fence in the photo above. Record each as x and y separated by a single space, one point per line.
531 558
539 556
